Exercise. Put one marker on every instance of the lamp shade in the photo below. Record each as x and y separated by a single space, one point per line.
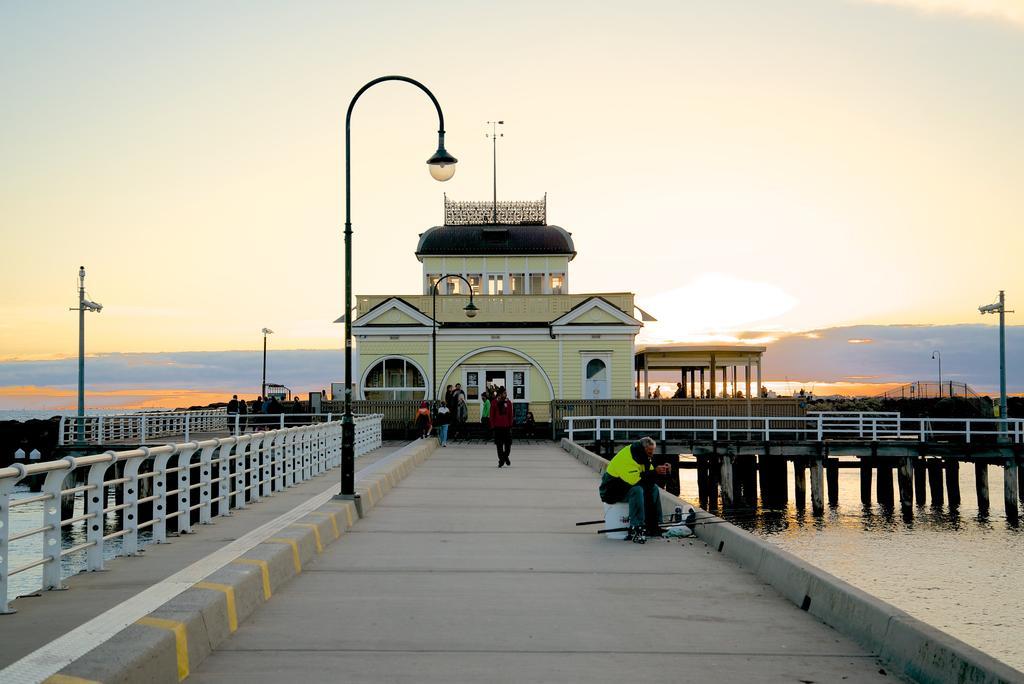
442 165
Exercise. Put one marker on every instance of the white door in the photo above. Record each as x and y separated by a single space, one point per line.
595 385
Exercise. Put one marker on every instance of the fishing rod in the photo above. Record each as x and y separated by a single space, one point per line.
678 524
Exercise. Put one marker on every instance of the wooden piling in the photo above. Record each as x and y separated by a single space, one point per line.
800 482
934 466
702 481
714 474
833 482
750 481
884 488
905 475
865 481
981 485
781 481
920 481
764 476
727 482
817 486
1010 490
953 481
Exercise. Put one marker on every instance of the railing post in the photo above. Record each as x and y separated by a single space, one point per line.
142 430
662 429
99 430
821 429
61 441
97 498
187 435
570 430
6 488
874 429
160 492
206 484
130 514
767 428
714 429
967 430
184 487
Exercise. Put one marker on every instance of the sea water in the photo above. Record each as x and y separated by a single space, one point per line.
955 569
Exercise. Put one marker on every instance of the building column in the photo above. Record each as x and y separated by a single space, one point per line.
747 395
714 394
682 380
759 376
647 380
702 382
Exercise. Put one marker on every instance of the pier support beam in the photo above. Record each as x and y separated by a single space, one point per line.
1010 490
953 482
800 482
727 481
817 486
714 475
865 481
702 481
906 482
981 485
833 482
935 481
920 481
884 488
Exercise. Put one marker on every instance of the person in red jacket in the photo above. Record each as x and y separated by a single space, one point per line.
501 424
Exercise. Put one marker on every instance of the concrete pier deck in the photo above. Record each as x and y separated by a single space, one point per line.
469 573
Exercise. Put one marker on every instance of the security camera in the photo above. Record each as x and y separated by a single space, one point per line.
989 308
92 306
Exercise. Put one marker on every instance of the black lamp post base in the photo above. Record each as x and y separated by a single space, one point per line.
355 498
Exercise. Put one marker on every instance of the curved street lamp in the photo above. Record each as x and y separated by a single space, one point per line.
471 310
263 386
442 168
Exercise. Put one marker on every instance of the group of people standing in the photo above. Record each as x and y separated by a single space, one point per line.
258 414
496 414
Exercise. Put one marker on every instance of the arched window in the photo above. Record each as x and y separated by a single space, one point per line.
596 370
394 378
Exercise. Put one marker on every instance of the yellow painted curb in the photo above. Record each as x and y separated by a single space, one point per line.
264 570
316 534
229 594
333 517
180 640
295 550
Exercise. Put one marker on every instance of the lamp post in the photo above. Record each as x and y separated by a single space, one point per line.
263 385
442 168
1000 308
83 306
938 355
470 310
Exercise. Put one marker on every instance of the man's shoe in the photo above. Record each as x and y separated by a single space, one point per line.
636 535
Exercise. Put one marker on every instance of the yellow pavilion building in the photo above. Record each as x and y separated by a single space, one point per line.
530 332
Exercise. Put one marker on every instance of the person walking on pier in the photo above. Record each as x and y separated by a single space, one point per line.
243 416
630 477
501 424
441 421
423 426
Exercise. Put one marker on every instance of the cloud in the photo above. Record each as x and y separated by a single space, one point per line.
1011 11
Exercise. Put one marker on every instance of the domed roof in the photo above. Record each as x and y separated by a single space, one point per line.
485 239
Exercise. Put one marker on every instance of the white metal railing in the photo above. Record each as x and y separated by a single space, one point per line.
817 427
151 428
208 478
855 421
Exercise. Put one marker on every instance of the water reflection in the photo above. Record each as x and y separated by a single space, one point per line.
956 568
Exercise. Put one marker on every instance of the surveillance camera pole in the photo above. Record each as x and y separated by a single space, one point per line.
80 431
1002 361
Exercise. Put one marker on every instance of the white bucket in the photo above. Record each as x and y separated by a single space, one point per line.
616 516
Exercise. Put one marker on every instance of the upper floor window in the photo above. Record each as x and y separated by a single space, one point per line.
495 284
432 279
536 283
516 284
476 281
557 283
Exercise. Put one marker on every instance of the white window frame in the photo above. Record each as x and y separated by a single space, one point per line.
394 357
585 358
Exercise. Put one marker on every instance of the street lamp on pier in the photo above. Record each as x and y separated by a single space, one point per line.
938 355
1000 307
442 168
470 309
83 306
263 385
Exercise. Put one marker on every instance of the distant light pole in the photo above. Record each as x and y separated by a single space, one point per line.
938 355
494 135
83 306
470 310
263 386
442 168
1000 308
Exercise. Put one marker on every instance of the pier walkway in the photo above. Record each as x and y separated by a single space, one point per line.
468 573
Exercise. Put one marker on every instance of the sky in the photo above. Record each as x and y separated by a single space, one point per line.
741 165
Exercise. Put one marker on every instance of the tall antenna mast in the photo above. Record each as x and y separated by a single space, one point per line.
494 135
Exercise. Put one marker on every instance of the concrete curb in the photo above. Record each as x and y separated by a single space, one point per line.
903 643
175 638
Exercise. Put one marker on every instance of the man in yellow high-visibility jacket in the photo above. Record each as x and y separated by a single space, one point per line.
630 477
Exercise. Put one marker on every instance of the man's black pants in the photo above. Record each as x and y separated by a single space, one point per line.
503 442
